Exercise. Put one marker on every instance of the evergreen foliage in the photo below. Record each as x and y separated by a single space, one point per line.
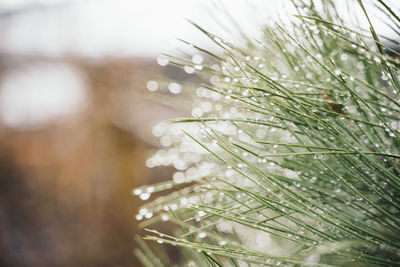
292 156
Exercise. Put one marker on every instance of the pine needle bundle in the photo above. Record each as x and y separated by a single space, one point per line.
292 156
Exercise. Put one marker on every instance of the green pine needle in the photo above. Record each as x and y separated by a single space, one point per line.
292 156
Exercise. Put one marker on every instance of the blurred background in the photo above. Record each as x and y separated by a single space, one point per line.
75 121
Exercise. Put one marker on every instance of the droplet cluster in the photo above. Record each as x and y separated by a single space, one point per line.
293 142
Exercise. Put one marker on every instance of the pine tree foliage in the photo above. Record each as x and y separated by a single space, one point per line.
292 156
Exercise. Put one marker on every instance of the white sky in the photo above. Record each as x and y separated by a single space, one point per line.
123 27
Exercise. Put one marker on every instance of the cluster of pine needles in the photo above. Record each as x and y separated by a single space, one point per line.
292 156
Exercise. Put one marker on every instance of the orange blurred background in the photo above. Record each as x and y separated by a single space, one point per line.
65 183
74 137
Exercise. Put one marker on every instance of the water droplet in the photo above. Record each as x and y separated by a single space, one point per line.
165 141
197 59
189 69
202 235
145 196
183 201
164 217
143 211
271 164
152 86
217 39
159 129
344 57
197 112
206 106
162 61
150 189
174 88
222 243
178 177
201 213
377 60
261 133
317 156
150 163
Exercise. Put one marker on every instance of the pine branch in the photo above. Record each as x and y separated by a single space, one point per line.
292 156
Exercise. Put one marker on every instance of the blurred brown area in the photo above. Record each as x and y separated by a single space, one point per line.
65 188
